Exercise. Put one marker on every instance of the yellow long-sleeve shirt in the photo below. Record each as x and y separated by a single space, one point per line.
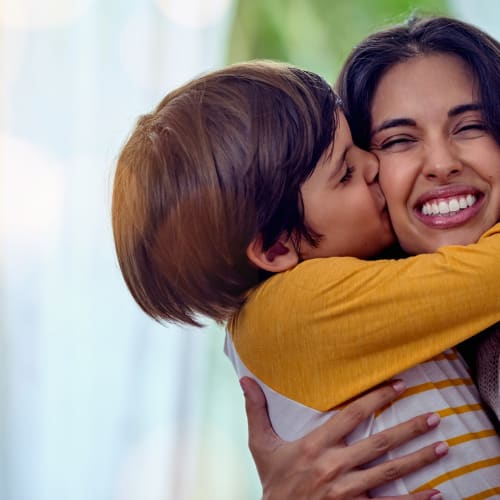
329 329
350 324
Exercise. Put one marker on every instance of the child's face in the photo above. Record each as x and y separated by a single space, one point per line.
439 167
344 203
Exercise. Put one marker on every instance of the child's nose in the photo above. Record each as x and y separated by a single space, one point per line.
369 164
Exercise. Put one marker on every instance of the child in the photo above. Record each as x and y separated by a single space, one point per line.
242 174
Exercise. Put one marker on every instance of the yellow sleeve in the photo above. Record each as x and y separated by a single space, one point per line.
329 329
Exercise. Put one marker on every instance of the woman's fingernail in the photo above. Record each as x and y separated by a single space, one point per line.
399 386
433 419
441 449
436 496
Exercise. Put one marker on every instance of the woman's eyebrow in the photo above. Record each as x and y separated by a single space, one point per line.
395 122
463 108
401 122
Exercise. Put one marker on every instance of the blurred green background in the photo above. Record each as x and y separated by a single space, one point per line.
315 34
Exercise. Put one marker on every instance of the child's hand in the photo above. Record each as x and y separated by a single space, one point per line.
320 466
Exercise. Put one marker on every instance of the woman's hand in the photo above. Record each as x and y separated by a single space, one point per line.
320 466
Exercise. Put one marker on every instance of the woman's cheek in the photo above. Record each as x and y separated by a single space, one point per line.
386 179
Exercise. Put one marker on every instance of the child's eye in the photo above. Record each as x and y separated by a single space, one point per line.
348 175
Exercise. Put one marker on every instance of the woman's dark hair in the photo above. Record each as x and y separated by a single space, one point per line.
375 55
219 162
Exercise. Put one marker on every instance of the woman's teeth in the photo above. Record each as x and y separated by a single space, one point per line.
450 206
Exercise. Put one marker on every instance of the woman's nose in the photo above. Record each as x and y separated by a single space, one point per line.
441 162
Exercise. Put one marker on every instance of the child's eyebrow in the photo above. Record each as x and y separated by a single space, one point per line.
463 108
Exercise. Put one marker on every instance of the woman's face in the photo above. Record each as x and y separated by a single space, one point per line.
439 165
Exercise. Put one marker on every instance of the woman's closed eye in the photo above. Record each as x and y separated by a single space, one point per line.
394 143
471 130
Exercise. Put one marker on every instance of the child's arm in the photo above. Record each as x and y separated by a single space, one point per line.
351 324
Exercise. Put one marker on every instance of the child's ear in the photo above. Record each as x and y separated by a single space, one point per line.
281 256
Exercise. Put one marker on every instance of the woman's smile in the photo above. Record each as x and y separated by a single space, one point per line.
448 206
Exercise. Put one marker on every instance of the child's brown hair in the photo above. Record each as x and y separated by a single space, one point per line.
219 162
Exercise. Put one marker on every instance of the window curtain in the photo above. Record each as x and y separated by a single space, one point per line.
96 400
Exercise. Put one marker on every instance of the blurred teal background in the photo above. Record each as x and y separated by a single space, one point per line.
98 402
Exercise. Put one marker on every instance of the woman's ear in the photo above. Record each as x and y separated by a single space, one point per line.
281 256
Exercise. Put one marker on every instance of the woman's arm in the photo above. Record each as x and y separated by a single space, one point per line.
319 466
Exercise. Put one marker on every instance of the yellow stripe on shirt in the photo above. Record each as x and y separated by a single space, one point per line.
484 494
471 436
461 471
446 412
448 355
441 384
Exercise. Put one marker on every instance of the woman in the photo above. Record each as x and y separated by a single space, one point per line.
401 139
400 79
